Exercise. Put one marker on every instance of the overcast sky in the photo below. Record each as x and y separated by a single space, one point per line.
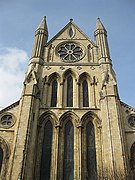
19 20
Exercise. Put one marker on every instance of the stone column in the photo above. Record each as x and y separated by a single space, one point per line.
75 93
60 95
78 95
93 85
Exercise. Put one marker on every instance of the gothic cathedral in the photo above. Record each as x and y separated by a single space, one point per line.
69 123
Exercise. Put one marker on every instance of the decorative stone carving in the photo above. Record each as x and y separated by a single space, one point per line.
62 68
94 81
92 67
48 68
31 76
79 67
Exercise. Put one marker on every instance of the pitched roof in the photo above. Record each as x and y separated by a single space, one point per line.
127 106
66 27
10 107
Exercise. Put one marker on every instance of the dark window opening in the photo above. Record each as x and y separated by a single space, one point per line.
1 158
70 32
69 91
91 152
68 164
85 94
54 94
46 152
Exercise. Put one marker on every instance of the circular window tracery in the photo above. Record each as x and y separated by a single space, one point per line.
131 121
70 52
6 121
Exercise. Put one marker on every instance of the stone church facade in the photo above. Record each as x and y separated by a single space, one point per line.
69 122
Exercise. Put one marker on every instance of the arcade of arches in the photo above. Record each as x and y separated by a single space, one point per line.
71 144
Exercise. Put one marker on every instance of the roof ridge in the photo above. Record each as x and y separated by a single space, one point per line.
10 106
64 28
128 106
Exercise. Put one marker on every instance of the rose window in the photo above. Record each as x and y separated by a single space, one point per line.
131 121
70 52
7 121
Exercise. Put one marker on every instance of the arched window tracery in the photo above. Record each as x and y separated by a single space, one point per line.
46 152
88 151
51 90
84 89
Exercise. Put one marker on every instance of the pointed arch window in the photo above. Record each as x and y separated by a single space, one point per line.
91 151
69 91
85 93
1 158
54 93
68 162
46 152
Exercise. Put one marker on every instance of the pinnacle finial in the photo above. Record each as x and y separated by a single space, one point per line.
99 25
71 20
43 24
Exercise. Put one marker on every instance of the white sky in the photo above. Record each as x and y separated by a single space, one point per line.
19 20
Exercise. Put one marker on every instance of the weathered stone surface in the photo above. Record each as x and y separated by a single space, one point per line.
114 136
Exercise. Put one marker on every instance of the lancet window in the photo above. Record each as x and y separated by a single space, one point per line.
69 149
54 93
89 156
91 151
85 93
84 90
68 161
46 152
69 91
